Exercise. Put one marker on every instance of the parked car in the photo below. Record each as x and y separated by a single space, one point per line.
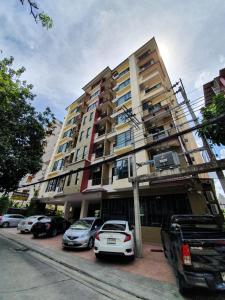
82 233
114 238
10 220
26 224
49 226
195 248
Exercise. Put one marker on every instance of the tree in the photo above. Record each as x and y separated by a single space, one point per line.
4 204
23 130
42 17
214 132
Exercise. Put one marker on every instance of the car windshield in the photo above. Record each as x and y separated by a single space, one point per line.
82 225
114 227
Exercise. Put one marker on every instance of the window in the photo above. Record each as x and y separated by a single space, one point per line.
77 155
123 72
122 118
91 116
123 98
122 169
63 147
147 64
68 133
81 136
114 227
76 178
153 88
144 55
123 139
92 106
84 152
88 132
58 165
84 120
52 185
69 179
123 85
95 94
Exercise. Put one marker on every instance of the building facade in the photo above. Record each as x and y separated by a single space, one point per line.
23 196
97 127
214 87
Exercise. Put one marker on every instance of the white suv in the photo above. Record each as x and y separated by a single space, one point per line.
114 238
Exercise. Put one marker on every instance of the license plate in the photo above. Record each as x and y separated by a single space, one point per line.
223 275
111 241
70 243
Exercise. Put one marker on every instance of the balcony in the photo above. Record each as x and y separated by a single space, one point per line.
103 117
157 136
152 114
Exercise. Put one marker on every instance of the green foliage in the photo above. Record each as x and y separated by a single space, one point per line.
214 132
42 17
4 204
22 130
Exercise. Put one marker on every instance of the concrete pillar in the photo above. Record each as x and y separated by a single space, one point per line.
84 209
66 210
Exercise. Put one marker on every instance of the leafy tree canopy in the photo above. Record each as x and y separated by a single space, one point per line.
42 17
23 130
214 132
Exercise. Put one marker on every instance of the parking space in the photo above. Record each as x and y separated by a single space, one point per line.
152 265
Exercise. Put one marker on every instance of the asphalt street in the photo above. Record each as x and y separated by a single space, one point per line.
22 276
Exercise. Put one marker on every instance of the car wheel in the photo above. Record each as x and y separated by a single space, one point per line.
5 225
21 231
90 243
98 256
182 285
54 232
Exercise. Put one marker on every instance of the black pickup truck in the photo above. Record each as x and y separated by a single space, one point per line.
195 247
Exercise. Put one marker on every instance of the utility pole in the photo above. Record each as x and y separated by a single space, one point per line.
212 157
137 217
134 122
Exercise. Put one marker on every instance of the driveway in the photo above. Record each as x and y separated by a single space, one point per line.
153 264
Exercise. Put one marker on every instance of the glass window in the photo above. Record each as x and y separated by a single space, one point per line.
63 147
148 90
77 155
68 133
123 139
91 116
69 179
114 227
84 121
95 94
76 178
123 85
123 98
123 72
58 165
122 169
81 135
82 225
92 106
52 185
84 152
88 132
122 118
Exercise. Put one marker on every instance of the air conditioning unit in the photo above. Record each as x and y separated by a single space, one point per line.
166 160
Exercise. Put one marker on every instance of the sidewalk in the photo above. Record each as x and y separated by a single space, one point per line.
153 264
139 286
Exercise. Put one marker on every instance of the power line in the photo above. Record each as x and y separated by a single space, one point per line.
144 147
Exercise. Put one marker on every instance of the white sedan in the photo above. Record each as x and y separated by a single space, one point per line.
26 224
114 238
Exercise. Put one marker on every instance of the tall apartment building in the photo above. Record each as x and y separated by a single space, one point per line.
214 87
96 129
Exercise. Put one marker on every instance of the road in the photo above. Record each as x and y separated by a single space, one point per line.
24 276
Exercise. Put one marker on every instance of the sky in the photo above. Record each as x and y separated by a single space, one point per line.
89 35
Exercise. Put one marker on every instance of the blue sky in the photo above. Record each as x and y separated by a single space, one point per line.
88 35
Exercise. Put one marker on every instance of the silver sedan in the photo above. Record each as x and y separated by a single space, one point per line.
82 233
